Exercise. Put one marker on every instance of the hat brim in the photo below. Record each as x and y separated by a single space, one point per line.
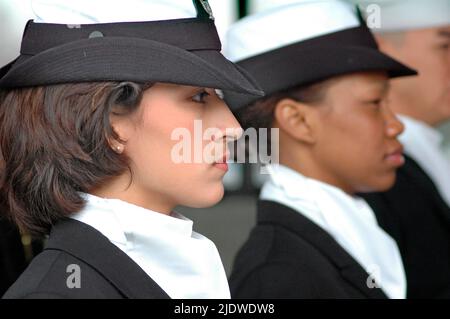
294 66
127 59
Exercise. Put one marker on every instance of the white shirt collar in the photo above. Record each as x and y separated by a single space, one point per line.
184 263
424 144
419 129
349 220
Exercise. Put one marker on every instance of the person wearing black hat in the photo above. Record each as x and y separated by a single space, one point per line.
88 115
326 83
416 211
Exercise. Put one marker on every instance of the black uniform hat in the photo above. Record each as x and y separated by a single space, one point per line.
181 51
303 42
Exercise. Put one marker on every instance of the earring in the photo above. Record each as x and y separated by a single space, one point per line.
118 149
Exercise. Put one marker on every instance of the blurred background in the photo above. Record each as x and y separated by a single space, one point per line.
229 222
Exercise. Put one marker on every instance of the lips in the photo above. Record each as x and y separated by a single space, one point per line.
395 156
396 150
223 159
222 163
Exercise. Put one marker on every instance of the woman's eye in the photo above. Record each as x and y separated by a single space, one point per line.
376 102
200 97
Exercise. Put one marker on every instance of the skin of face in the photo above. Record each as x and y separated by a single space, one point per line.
158 182
348 139
425 97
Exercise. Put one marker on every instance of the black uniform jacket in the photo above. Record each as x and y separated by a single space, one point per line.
416 216
77 249
12 255
289 256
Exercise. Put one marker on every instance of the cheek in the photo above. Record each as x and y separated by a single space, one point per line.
155 133
203 186
366 164
190 184
358 134
160 120
354 148
434 76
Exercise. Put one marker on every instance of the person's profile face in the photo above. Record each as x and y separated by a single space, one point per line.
176 141
357 145
428 93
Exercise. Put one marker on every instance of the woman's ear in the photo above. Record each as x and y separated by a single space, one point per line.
122 126
296 120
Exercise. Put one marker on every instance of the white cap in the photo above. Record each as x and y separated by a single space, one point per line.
287 23
105 11
399 15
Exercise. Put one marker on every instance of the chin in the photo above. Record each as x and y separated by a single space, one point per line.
383 184
378 183
207 197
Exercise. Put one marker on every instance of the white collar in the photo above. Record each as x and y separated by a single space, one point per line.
424 144
415 129
349 220
184 263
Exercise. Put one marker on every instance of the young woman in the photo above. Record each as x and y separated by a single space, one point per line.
326 85
87 120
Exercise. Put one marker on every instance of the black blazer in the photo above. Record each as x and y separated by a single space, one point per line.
106 271
12 256
288 256
416 216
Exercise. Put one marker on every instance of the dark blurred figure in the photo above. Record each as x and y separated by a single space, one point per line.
12 255
416 211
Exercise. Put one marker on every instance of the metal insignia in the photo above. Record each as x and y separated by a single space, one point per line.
203 9
207 7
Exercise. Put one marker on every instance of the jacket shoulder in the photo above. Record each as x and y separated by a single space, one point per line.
274 260
57 274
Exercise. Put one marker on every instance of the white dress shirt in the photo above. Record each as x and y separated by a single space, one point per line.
182 262
349 220
423 144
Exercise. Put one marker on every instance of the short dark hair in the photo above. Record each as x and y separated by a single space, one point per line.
54 143
260 114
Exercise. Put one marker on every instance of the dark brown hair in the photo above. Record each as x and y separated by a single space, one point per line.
54 143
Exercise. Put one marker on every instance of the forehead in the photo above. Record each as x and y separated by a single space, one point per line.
364 80
427 36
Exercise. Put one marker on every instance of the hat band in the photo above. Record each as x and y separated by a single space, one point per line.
182 33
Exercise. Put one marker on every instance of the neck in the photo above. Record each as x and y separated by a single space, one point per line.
120 188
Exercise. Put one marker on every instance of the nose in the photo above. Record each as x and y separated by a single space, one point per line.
394 127
228 123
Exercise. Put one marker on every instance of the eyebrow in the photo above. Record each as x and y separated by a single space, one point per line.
444 33
190 89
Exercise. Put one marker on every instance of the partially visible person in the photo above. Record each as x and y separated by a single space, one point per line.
416 211
12 256
326 84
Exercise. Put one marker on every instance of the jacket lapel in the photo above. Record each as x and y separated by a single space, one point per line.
427 186
270 212
89 245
